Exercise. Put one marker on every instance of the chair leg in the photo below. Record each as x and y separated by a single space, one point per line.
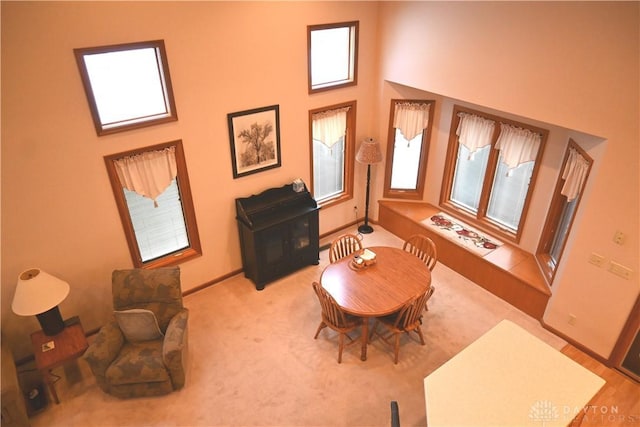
419 331
426 303
340 347
397 349
322 325
395 414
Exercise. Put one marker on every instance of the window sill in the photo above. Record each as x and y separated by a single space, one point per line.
335 201
171 259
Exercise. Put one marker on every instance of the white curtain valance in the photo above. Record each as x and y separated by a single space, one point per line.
329 126
517 145
148 174
474 132
411 118
574 174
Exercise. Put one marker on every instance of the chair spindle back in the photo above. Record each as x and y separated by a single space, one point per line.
343 246
422 247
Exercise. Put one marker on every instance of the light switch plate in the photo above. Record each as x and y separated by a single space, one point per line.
620 270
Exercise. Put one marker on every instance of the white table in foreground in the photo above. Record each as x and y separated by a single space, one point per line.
508 377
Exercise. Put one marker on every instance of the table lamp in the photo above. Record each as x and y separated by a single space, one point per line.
368 153
38 294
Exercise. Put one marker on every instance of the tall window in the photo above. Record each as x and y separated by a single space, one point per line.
332 136
332 55
491 166
151 188
127 85
408 148
564 205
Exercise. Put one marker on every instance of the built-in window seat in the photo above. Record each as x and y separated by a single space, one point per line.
507 271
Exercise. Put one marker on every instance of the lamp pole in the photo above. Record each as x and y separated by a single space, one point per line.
368 153
366 228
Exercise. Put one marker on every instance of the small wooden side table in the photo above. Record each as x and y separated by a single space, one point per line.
68 345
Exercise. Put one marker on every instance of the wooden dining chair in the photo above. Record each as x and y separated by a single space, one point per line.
424 248
343 246
335 318
407 320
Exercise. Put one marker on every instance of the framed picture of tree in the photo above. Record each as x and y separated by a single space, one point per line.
255 140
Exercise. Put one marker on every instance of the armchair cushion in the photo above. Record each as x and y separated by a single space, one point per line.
138 363
138 324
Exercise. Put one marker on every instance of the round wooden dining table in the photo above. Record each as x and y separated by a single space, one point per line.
376 290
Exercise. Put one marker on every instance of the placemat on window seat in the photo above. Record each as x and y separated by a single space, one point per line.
462 234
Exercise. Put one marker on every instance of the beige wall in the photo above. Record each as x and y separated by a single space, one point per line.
572 65
58 211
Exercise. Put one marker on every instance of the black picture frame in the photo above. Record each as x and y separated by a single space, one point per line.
255 140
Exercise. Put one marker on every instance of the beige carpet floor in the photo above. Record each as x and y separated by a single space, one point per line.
254 362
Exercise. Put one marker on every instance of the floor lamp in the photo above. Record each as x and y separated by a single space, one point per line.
38 294
368 153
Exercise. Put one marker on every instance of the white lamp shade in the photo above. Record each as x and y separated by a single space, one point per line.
369 152
38 292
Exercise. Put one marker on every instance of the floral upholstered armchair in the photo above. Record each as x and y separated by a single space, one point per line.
142 350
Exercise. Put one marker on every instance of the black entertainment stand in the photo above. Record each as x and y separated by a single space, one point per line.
278 231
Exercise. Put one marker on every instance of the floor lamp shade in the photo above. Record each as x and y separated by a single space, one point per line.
368 153
38 294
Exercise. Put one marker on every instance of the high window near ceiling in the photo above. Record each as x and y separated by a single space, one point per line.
332 55
491 168
127 85
408 148
332 147
153 196
564 205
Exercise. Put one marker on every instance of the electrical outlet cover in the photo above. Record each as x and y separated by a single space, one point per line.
620 270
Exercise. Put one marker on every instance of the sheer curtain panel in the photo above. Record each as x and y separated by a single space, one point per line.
575 173
517 145
474 132
411 118
329 126
148 174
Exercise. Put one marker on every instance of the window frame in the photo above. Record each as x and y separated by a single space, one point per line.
349 153
194 249
353 56
480 218
547 264
418 192
132 122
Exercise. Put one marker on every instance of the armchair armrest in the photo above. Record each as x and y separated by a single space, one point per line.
103 351
175 348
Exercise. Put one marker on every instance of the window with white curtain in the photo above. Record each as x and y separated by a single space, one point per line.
332 55
332 140
408 148
151 189
490 169
564 206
